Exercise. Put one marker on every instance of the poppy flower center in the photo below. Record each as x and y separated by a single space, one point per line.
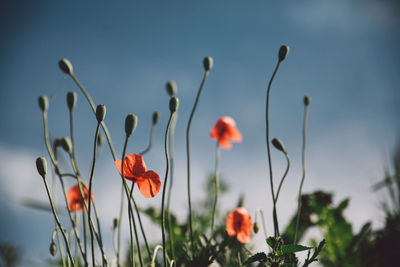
238 225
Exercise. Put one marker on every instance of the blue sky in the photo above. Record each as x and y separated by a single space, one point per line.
343 54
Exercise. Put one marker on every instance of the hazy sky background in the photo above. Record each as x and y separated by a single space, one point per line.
344 54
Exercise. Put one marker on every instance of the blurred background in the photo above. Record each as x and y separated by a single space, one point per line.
344 54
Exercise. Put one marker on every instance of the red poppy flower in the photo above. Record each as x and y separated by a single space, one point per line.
135 170
225 131
239 224
74 197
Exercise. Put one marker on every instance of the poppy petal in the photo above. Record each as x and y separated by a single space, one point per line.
234 134
149 184
230 225
224 143
134 165
74 197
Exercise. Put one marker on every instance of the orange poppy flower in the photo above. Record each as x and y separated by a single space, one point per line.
135 170
239 224
74 197
225 131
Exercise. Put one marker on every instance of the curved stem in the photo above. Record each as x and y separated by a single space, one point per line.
303 161
121 208
217 157
150 141
171 181
283 177
140 223
276 226
188 159
90 192
164 187
58 222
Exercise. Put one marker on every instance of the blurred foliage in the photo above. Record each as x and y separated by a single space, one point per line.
9 255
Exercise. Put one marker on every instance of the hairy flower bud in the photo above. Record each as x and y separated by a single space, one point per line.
115 223
53 249
66 144
41 166
173 104
100 112
208 63
71 99
307 100
172 88
130 124
65 66
156 117
283 52
43 102
256 227
278 144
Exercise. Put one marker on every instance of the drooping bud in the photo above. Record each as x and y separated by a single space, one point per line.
115 223
156 117
66 144
41 166
208 63
307 100
100 139
283 52
57 142
278 144
43 102
172 88
100 112
65 66
53 249
256 227
173 104
130 124
71 99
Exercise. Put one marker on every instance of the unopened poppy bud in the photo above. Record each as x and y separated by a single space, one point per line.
171 88
278 144
173 104
43 102
100 112
41 166
307 100
115 223
66 144
57 142
71 99
256 227
208 63
156 117
53 249
283 52
100 139
130 124
65 66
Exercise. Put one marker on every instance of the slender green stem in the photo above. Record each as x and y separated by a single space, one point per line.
283 177
84 233
164 187
275 217
217 157
58 222
130 212
263 224
90 192
188 158
140 223
121 207
89 99
171 181
150 141
303 161
134 226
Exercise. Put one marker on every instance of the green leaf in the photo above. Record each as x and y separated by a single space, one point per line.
292 248
261 256
271 241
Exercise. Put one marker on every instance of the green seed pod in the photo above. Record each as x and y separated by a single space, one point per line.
66 144
53 249
65 66
41 166
172 88
278 144
283 52
130 124
43 102
71 99
156 117
173 104
100 112
208 63
307 100
256 227
115 223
